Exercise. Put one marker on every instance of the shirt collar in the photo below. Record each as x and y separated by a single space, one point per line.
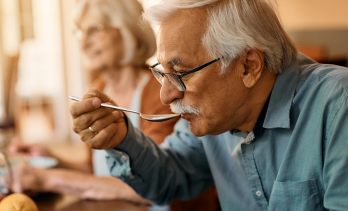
258 129
278 112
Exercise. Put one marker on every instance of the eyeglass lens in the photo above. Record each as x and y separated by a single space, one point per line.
90 32
172 78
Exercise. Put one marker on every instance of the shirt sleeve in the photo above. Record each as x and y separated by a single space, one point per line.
122 160
177 170
336 158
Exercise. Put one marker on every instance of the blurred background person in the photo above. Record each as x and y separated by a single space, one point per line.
114 48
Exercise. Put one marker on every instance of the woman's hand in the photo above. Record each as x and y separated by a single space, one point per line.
98 127
28 150
27 179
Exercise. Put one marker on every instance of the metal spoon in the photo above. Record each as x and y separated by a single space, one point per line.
148 117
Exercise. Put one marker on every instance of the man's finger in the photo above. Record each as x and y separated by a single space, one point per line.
101 139
102 123
87 119
93 92
87 136
106 135
84 106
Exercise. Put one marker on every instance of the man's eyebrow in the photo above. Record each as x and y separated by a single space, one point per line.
174 62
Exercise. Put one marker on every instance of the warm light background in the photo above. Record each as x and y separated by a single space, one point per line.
49 66
314 14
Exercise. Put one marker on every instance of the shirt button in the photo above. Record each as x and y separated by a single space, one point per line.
258 193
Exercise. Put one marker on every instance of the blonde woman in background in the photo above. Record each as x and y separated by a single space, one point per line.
114 46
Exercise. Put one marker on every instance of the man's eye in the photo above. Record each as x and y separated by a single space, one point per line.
180 72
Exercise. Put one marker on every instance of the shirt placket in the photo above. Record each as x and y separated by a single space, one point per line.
253 175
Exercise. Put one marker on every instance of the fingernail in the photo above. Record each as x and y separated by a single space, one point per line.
96 102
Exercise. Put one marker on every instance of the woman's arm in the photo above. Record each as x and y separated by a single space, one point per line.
31 180
35 150
84 165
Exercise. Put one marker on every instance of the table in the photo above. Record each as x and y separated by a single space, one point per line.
57 202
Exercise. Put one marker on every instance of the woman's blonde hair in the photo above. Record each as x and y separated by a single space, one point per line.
233 27
139 41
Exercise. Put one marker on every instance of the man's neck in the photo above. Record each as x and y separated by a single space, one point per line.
258 96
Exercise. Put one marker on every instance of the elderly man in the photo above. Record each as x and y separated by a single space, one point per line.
268 125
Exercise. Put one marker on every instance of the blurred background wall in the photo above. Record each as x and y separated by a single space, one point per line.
318 27
40 64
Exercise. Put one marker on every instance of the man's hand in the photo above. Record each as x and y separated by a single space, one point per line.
109 125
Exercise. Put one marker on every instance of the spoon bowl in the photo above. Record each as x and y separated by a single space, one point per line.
148 117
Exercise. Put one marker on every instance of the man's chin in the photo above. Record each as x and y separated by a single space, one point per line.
197 129
197 132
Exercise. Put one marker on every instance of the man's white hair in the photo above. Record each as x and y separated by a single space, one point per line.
233 27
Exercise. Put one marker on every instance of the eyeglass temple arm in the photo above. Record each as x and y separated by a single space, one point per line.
201 67
195 69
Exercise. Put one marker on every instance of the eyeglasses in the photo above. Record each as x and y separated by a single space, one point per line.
175 79
90 32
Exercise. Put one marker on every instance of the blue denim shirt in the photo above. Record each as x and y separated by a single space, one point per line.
299 161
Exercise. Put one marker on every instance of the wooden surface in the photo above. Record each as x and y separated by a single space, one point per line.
56 202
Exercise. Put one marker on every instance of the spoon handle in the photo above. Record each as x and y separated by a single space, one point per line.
106 105
118 108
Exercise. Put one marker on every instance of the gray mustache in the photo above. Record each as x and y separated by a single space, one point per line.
179 107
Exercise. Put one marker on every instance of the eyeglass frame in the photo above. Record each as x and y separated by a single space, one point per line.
88 32
184 74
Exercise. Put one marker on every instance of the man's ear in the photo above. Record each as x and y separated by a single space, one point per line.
253 62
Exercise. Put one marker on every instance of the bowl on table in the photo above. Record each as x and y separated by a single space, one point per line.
42 162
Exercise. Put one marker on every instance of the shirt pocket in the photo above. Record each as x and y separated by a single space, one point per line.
290 196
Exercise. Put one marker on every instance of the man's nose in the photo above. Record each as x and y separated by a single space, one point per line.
169 92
